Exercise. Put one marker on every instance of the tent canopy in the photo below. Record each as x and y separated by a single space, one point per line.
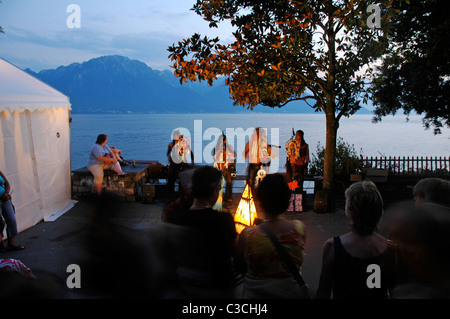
20 91
34 145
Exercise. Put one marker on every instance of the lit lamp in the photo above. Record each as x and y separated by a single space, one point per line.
246 211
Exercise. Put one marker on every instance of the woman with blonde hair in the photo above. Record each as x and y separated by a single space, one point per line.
346 258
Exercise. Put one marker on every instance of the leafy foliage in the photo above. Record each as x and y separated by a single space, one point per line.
344 153
284 50
319 51
415 72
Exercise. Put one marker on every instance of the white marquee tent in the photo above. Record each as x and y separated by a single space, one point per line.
34 146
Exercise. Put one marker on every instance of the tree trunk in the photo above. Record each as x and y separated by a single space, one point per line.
330 114
330 151
324 199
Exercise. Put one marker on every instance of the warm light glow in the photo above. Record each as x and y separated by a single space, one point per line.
293 185
246 211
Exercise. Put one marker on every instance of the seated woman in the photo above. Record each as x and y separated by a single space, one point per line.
100 158
265 273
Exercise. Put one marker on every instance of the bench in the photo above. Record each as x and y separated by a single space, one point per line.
376 175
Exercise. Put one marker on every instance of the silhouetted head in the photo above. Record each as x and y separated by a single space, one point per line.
274 194
432 190
206 182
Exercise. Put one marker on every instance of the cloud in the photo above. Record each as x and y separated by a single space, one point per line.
37 34
43 57
66 47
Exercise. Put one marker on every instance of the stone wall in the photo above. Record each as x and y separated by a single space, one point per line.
127 188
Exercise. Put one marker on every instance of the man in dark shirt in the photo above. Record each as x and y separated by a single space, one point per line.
204 246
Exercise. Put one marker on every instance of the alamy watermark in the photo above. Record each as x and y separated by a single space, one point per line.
262 146
374 19
74 279
74 19
373 279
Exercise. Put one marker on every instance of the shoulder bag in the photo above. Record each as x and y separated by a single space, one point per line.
288 261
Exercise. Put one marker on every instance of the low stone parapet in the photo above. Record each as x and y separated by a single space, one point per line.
126 188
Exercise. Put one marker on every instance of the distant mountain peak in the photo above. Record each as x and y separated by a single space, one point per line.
118 84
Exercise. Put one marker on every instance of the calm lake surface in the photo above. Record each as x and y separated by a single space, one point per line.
146 136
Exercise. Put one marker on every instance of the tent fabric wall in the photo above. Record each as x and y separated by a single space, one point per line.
16 163
51 137
34 145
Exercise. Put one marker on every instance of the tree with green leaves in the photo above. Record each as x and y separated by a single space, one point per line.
318 51
344 154
415 72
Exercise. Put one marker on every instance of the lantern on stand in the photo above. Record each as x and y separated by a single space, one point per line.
246 211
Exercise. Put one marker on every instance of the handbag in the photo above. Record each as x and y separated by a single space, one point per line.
288 262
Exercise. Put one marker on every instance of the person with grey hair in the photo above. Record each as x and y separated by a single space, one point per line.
432 190
346 258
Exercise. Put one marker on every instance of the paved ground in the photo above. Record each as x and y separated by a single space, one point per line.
112 247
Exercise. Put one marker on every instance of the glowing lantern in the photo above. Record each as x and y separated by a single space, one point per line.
246 211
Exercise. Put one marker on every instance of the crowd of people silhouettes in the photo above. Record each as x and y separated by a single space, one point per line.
206 258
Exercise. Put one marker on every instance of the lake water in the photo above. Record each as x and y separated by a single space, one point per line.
146 136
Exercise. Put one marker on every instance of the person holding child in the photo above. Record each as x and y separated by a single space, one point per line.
101 157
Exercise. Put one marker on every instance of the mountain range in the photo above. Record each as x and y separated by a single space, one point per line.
117 84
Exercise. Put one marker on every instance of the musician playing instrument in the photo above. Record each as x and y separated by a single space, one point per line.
297 159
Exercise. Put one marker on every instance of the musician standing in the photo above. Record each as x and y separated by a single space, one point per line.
297 159
178 153
258 153
224 158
